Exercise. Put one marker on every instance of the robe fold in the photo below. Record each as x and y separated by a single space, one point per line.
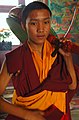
26 81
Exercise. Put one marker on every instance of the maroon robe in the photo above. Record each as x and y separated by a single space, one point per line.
27 81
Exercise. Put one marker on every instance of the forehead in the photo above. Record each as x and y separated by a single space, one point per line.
39 14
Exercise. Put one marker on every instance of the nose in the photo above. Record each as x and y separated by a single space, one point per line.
40 27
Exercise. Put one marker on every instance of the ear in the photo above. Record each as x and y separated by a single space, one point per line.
23 27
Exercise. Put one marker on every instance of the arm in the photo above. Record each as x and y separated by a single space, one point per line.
70 67
13 109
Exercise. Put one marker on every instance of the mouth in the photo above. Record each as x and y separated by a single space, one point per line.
40 36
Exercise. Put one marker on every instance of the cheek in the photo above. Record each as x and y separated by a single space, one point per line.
48 26
47 29
32 31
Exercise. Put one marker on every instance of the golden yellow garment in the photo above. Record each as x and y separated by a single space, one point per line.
45 98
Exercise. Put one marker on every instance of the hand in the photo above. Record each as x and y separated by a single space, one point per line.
35 115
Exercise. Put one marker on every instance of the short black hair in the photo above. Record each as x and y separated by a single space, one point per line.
33 6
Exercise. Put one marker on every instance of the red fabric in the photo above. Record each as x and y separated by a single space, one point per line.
65 117
51 38
53 113
75 48
27 82
67 45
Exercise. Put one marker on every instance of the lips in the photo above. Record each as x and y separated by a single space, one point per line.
40 36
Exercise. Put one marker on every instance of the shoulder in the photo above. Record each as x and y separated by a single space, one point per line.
15 51
14 59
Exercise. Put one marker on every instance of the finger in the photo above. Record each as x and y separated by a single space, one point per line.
64 53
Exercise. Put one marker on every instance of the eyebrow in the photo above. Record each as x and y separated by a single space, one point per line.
35 19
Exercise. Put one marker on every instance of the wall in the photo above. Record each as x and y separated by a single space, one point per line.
62 14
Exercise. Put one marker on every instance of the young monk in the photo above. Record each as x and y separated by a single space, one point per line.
40 91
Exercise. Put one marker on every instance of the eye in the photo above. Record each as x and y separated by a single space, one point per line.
33 23
47 22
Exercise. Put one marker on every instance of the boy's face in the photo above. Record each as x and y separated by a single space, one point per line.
38 26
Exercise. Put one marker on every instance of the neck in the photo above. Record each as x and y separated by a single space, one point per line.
37 47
